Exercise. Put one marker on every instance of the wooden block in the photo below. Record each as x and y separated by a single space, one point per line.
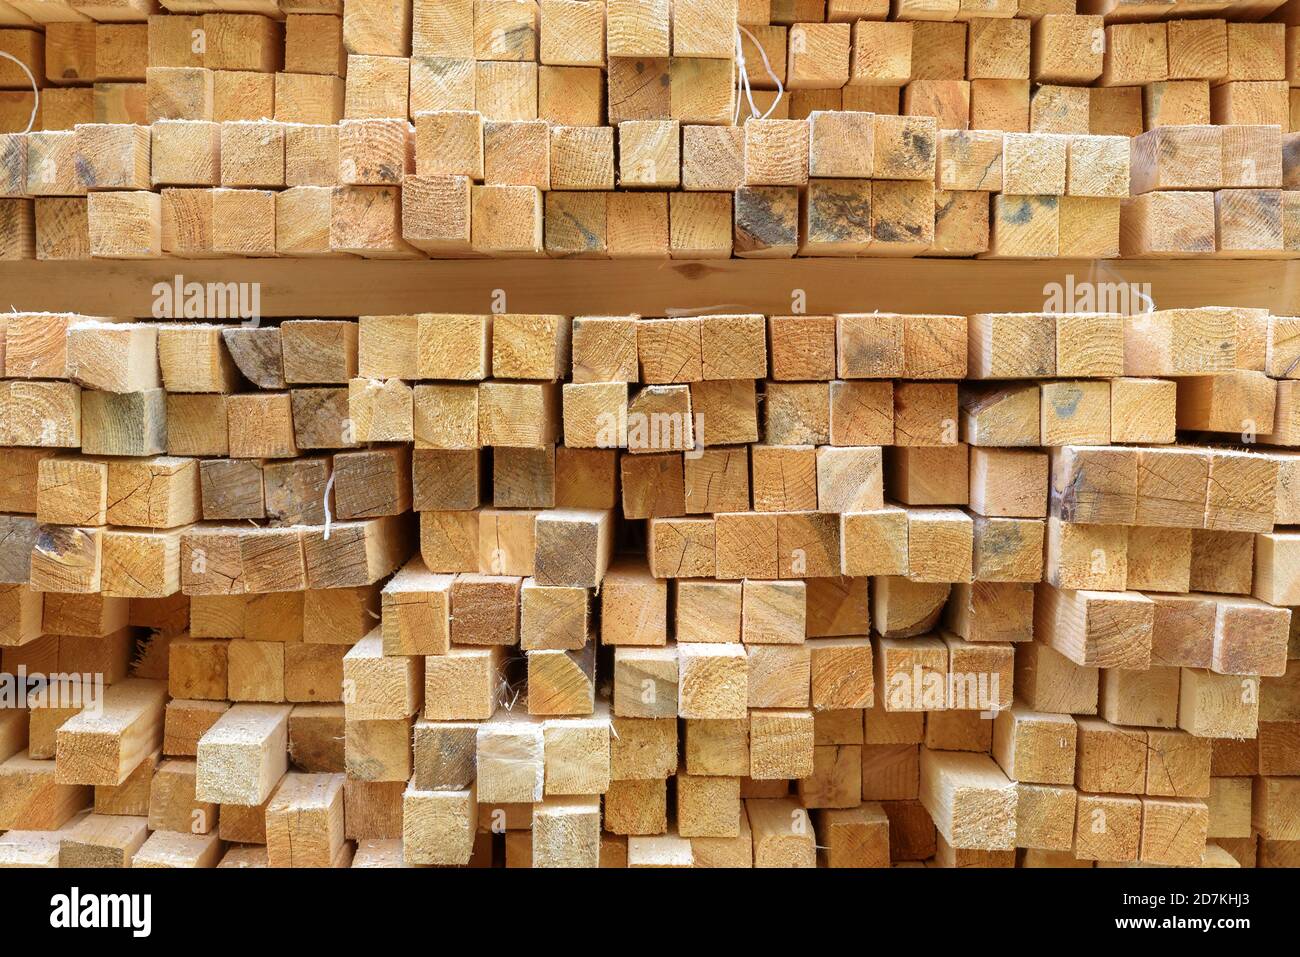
1108 828
969 160
634 609
1217 706
100 840
1177 157
171 804
24 610
304 821
1067 48
571 96
780 743
179 93
438 826
141 564
1159 559
1140 410
112 156
62 228
913 675
243 222
377 86
1045 820
997 49
261 426
581 158
646 682
366 221
1011 345
1037 164
782 833
463 684
947 100
252 154
510 759
374 152
32 799
125 225
998 605
319 351
1273 808
1172 830
649 153
380 688
1221 562
636 807
577 755
106 748
171 849
1084 625
1135 53
1229 802
1000 105
861 413
72 491
712 157
1035 747
1025 226
449 540
637 29
1086 556
113 357
304 97
904 147
939 545
819 55
1248 222
1182 477
1098 166
971 800
1110 758
855 837
835 217
186 721
530 347
765 221
1008 483
776 152
1198 49
1060 109
1177 103
773 612
417 611
445 83
1167 224
506 219
561 682
1048 681
1178 765
573 547
1097 485
65 558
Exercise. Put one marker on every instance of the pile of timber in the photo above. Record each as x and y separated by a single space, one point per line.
387 128
734 590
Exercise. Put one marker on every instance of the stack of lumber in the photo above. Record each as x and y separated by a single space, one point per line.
731 590
641 128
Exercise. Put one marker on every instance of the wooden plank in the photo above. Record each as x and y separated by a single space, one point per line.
302 287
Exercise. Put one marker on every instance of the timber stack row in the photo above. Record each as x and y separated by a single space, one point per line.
713 128
733 590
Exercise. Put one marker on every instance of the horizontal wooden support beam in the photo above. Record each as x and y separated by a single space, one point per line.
298 287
